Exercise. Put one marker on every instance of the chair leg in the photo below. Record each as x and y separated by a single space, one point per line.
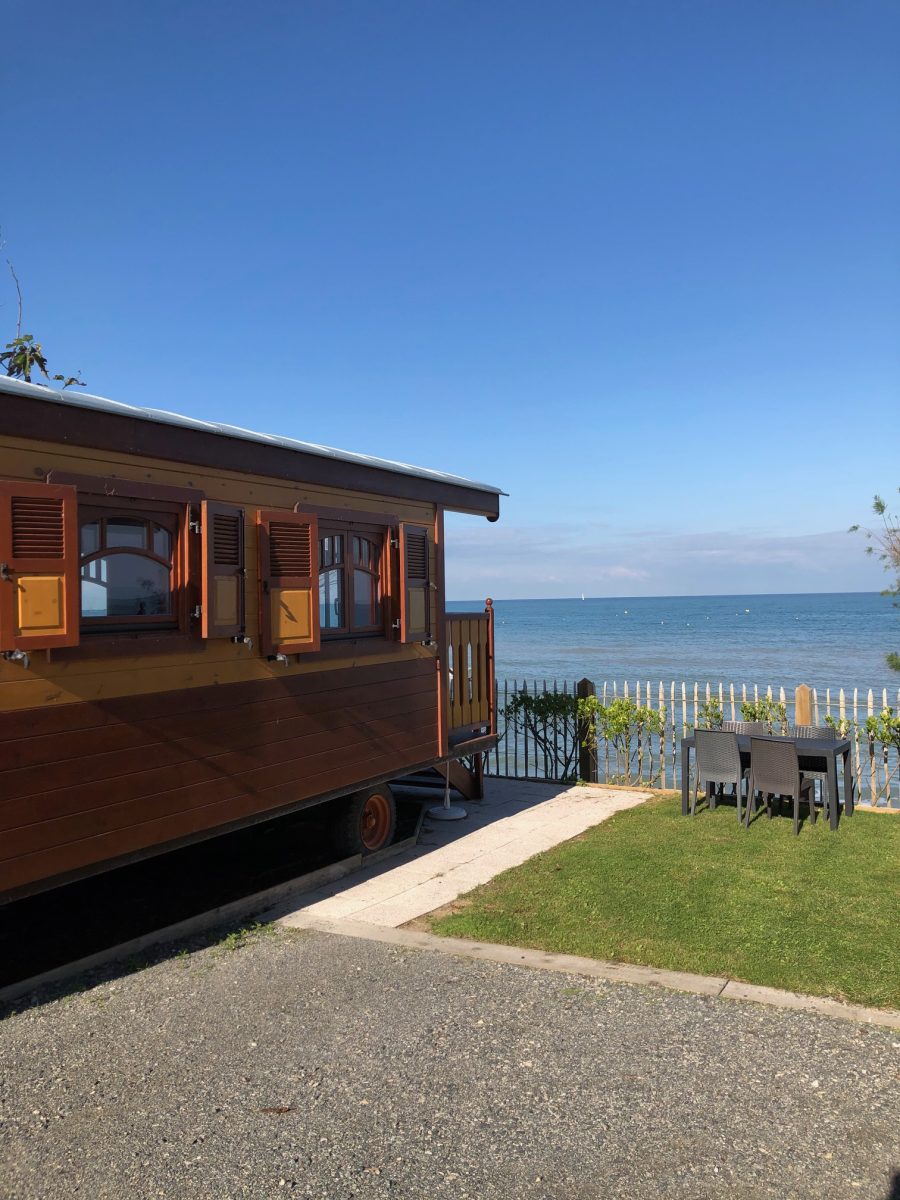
694 800
711 795
796 815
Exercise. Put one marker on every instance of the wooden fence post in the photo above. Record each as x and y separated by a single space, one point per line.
803 705
587 758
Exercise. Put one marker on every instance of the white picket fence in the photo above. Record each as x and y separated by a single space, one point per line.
657 756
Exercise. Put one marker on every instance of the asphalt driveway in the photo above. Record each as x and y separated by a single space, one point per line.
315 1065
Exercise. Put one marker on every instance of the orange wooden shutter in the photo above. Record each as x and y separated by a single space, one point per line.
415 582
289 582
222 603
39 586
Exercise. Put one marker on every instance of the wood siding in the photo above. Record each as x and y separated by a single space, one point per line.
104 757
85 783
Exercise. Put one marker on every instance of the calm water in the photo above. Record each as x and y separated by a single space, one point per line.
834 640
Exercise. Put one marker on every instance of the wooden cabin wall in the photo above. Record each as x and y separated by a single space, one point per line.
104 758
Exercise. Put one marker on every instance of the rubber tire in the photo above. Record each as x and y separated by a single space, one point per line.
347 831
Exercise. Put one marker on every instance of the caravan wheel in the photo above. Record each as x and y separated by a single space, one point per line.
366 821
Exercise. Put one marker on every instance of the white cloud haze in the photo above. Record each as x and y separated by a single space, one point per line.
552 560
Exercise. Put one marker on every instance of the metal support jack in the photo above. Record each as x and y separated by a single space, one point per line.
447 811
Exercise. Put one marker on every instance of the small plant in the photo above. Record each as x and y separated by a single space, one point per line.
842 726
237 939
709 714
884 544
550 718
621 724
884 727
23 355
770 712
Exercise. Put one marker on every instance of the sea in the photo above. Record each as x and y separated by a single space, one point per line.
826 640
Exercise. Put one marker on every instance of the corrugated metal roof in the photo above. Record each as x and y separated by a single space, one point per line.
162 417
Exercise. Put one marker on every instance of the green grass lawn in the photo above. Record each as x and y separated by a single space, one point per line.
816 913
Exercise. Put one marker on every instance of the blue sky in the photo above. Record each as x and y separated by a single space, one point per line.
635 263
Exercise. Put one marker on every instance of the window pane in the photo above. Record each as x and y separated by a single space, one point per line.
338 541
325 553
331 599
90 537
162 543
363 553
122 532
93 588
366 609
125 585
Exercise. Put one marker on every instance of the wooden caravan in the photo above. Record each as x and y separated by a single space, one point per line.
202 628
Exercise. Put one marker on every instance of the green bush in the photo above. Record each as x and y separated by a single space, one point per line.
618 724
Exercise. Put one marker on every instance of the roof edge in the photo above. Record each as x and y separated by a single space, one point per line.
161 416
76 418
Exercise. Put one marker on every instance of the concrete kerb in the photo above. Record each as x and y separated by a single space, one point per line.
609 972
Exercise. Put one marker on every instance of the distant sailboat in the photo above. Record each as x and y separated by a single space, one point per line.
582 595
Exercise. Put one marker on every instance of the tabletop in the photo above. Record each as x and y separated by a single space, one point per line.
806 747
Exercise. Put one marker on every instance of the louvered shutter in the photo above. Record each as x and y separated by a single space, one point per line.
39 604
415 582
289 582
222 603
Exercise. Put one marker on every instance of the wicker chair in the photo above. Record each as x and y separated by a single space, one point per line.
745 727
822 733
718 763
775 770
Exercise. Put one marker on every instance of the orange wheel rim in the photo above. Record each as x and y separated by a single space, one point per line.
376 822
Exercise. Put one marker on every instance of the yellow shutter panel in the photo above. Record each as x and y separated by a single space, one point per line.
222 602
39 585
289 582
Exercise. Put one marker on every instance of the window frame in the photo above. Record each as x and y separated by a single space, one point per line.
337 645
373 532
131 495
167 516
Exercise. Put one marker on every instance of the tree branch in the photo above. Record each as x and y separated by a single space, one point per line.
12 272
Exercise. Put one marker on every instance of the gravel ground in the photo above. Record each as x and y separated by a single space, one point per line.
305 1064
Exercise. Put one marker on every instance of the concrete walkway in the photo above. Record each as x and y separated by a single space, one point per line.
515 821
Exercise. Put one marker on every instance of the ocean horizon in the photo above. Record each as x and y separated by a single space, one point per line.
824 639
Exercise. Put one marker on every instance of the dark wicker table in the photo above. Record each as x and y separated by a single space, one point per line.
815 754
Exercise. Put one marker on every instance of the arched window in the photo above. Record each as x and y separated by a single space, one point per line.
128 571
350 581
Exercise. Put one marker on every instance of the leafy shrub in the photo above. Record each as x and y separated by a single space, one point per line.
550 719
709 714
770 712
618 724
